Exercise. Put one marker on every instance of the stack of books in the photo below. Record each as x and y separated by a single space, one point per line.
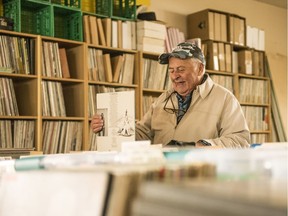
151 36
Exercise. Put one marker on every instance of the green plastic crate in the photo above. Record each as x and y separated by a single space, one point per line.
11 9
36 19
67 23
30 16
125 9
104 7
68 3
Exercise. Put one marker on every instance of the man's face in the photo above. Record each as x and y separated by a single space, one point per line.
185 74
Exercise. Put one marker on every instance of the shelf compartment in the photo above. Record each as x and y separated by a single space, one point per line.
67 23
73 95
18 134
61 136
26 94
30 16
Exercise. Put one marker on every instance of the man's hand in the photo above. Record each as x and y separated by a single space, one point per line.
97 123
201 145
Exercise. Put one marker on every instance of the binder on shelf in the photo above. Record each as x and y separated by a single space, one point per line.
126 35
223 24
212 56
107 27
221 57
120 34
93 27
245 62
107 67
237 30
101 33
217 26
64 63
86 29
114 30
117 63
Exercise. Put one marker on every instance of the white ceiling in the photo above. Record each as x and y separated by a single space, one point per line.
277 3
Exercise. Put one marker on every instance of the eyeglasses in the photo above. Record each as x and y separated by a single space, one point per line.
178 112
170 110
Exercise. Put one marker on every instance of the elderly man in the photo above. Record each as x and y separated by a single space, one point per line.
195 111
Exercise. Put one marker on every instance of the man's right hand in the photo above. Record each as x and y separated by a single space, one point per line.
97 123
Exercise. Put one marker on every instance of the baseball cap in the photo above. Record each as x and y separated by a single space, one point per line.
183 50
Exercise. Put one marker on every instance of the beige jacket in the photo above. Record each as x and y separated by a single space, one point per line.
214 115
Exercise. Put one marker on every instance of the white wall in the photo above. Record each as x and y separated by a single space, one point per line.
273 20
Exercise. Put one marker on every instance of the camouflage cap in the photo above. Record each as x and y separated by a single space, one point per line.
183 50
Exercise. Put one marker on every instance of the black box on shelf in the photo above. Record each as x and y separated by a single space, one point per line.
6 23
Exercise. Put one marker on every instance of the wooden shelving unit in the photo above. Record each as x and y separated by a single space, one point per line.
76 88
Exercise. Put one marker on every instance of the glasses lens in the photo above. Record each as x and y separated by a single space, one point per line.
170 110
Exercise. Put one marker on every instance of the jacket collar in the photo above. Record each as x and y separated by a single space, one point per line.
205 88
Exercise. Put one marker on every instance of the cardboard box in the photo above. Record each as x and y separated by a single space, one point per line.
208 25
201 25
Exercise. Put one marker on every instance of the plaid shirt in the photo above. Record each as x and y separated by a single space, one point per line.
183 105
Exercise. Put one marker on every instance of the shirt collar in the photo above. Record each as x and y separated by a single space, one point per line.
180 98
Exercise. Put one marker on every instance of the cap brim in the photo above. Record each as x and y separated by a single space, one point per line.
164 58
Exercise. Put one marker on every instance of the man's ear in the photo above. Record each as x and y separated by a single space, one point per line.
201 69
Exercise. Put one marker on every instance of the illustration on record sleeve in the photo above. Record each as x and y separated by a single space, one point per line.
118 112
